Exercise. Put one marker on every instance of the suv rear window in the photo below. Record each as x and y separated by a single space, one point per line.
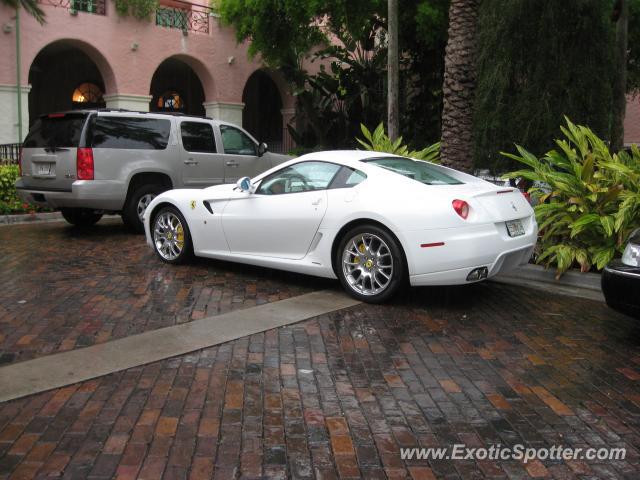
129 133
56 131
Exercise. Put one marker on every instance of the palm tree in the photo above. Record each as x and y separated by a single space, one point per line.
621 17
459 85
30 6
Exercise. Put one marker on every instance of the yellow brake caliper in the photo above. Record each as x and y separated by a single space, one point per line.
179 236
361 249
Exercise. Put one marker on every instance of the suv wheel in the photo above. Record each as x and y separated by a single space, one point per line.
370 264
81 217
171 236
137 203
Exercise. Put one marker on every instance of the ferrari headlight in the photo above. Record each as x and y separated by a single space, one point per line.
631 255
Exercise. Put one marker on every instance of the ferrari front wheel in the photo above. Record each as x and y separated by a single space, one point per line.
370 264
171 236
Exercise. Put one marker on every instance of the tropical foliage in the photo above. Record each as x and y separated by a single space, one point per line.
9 201
379 141
588 198
558 60
30 6
140 9
348 41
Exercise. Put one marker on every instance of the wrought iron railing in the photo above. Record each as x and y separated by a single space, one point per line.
10 153
91 6
190 18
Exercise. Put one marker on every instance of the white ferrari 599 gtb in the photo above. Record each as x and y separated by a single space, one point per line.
371 219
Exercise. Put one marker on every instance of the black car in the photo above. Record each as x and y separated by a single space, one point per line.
621 279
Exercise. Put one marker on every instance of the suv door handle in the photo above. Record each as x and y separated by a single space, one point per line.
191 161
232 163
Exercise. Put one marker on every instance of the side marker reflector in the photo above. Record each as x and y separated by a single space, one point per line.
428 245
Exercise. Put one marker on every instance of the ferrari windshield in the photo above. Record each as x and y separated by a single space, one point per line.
423 172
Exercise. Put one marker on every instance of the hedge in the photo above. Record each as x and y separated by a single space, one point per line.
9 201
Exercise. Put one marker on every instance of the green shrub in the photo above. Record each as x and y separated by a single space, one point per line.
379 141
588 199
9 201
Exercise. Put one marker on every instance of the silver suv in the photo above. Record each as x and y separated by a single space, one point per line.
91 162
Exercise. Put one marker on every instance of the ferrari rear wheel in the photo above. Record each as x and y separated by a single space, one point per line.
370 264
171 236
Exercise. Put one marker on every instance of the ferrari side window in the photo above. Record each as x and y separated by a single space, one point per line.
348 177
301 177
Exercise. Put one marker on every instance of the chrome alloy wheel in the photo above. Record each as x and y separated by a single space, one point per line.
168 235
143 203
367 264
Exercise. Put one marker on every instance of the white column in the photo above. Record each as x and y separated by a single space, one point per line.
9 116
136 103
225 111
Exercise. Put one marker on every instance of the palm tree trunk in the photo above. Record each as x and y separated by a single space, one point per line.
393 116
621 14
459 85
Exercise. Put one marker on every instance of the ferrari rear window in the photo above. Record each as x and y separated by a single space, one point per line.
423 172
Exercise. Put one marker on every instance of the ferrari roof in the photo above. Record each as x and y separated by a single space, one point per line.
345 155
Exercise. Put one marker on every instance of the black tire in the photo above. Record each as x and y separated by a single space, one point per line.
186 253
130 215
80 217
397 274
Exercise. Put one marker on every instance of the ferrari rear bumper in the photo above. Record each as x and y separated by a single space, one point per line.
449 256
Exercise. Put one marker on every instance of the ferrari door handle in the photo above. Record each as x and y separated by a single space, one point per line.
191 161
317 202
232 163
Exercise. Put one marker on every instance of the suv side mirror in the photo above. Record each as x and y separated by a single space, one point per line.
262 149
244 184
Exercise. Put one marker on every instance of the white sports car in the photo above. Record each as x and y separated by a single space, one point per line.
371 219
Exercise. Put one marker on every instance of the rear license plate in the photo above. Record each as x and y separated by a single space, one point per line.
43 169
515 228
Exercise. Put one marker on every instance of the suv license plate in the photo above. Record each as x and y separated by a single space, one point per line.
43 169
515 228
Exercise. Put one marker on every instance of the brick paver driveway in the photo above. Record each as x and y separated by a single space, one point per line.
334 396
65 288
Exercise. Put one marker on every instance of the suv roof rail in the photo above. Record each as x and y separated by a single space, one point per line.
124 110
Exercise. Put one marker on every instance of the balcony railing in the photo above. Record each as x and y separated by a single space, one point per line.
10 153
190 18
91 6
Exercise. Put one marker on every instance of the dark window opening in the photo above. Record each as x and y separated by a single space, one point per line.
197 137
129 133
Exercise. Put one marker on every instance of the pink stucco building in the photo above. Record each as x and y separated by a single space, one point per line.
182 58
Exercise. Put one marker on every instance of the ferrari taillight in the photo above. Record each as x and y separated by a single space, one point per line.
461 207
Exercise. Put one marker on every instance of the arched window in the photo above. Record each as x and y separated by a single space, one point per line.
87 93
170 100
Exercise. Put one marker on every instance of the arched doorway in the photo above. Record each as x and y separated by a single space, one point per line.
262 115
175 87
63 77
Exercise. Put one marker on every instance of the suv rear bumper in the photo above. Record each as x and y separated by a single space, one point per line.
96 194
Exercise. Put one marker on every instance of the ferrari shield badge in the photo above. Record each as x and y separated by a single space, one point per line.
193 204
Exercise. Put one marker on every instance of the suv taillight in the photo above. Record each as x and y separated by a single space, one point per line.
84 163
20 162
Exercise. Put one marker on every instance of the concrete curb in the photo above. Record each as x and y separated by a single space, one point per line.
30 218
575 284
